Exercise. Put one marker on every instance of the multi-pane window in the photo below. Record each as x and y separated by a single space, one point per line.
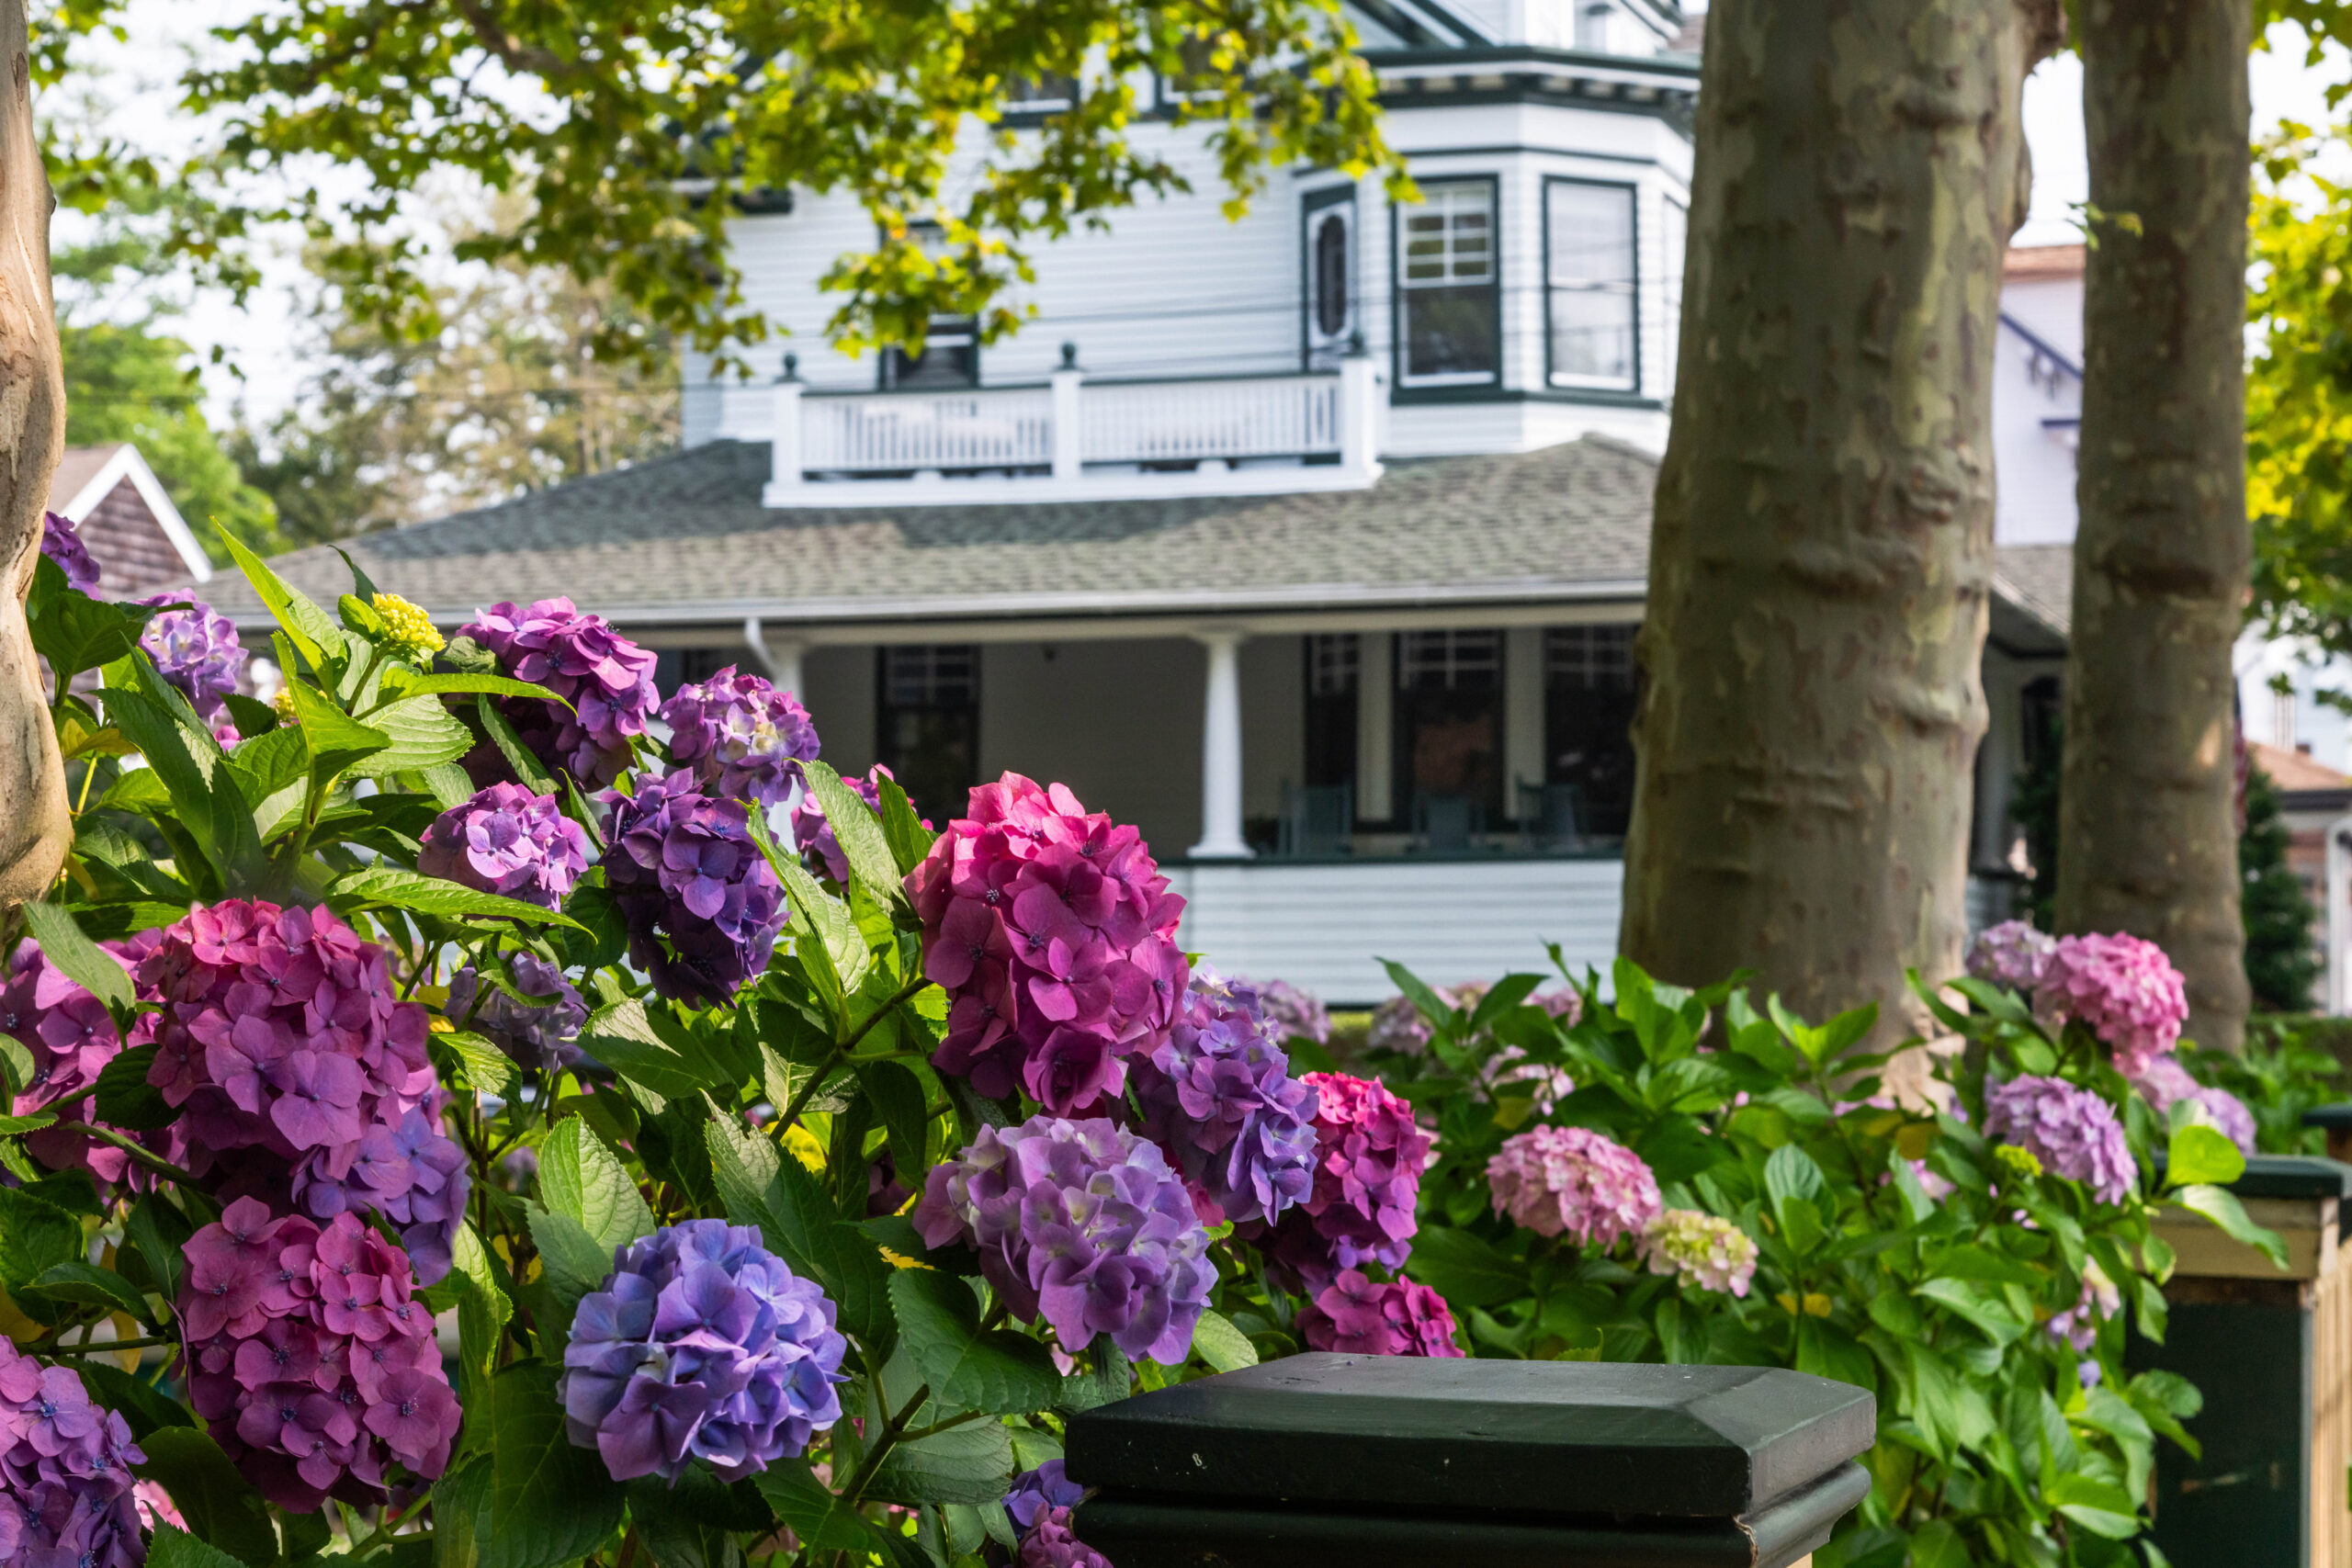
927 724
951 350
1040 94
1450 722
1334 662
1588 247
1448 296
1449 661
1589 688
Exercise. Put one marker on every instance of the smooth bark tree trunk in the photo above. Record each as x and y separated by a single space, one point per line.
35 830
1822 556
2147 841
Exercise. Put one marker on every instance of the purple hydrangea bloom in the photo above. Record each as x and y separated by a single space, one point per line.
1083 1224
702 1345
607 678
2069 1130
1357 1316
1368 1163
412 1174
683 867
309 1357
2166 1081
195 650
744 739
70 1038
539 1037
61 543
283 1044
1218 1098
1053 1544
811 834
2013 954
509 841
1297 1014
1054 935
1034 1491
65 1480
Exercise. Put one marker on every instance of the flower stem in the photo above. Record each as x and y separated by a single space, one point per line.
883 1444
102 1346
130 1146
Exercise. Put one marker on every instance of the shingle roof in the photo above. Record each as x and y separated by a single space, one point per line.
2041 579
686 539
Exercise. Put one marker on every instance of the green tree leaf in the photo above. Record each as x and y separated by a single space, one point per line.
2201 1155
219 1505
2220 1205
971 1463
549 1502
83 962
580 1178
1217 1341
939 1325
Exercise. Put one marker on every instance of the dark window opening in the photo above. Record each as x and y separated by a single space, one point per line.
1591 686
927 727
1449 727
1333 665
1331 274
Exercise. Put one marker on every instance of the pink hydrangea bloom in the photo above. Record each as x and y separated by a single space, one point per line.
2122 989
2012 953
309 1357
1368 1162
1572 1181
1358 1317
2069 1130
2166 1081
1703 1250
1053 933
607 678
508 841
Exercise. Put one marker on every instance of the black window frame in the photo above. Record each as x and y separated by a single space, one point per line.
1567 381
1399 347
1310 204
887 750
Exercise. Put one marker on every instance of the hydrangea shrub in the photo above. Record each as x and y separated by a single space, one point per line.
468 1108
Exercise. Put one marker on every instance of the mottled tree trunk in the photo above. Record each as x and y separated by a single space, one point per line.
2146 843
1822 556
35 830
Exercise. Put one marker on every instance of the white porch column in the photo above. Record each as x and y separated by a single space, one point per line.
1359 412
2339 979
1221 751
1376 724
1068 453
785 481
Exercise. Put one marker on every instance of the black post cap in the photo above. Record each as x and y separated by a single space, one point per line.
1329 1432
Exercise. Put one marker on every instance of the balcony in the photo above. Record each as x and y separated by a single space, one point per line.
1073 439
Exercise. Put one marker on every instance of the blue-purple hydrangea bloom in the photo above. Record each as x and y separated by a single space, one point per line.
702 1345
1083 1224
1039 1505
539 1036
744 739
195 650
683 867
509 841
2069 1130
1217 1097
607 678
61 543
411 1173
65 1476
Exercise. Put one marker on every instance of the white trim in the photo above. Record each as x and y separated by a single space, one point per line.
998 490
126 464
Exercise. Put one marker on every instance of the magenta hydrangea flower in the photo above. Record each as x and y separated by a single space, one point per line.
2122 989
1573 1181
1368 1162
2166 1081
310 1358
70 1038
607 678
288 1053
1083 1224
1218 1098
702 903
509 841
744 739
2012 953
811 834
1360 1317
1054 935
1055 1544
702 1345
60 541
195 650
2069 1130
1701 1249
540 1036
65 1483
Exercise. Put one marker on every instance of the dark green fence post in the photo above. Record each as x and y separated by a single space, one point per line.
2268 1349
1363 1462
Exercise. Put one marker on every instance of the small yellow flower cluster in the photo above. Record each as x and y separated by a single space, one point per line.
2019 1161
282 703
409 632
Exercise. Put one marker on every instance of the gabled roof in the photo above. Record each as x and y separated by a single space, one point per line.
88 475
684 541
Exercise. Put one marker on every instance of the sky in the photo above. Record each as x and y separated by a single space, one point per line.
265 341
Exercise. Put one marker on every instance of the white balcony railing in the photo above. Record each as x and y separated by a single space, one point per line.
1072 440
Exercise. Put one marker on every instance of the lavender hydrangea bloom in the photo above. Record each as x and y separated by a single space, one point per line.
1054 1544
607 678
1295 1013
412 1174
61 543
1034 1491
539 1037
509 841
65 1480
701 1345
2069 1130
812 835
1218 1098
2012 953
2166 1081
683 867
1082 1223
195 650
744 739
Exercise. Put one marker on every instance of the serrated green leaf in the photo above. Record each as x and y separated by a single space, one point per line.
939 1325
822 1521
1468 1271
549 1500
336 742
788 1206
579 1177
306 625
519 759
87 1284
623 1037
82 961
859 833
2220 1205
972 1463
219 1505
393 888
145 1407
125 1100
424 734
35 1236
1222 1346
488 1069
908 837
576 1262
404 683
177 1549
2201 1155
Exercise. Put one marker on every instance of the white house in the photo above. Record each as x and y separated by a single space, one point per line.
1313 544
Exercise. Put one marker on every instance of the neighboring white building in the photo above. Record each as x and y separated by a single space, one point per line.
1313 544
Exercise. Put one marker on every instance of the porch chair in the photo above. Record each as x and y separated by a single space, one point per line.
1551 815
1317 819
1445 824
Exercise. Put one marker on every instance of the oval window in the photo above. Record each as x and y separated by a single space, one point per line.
1331 276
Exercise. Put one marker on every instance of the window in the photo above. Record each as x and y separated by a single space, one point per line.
1329 275
928 726
1448 297
951 350
1333 666
1596 26
1200 75
1590 690
1589 250
1044 95
1450 721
